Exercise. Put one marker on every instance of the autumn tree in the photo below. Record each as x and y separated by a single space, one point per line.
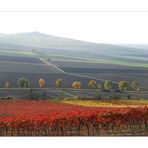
41 83
135 85
92 84
123 85
23 82
108 85
59 83
76 84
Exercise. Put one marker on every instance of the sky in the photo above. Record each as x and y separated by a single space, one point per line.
73 21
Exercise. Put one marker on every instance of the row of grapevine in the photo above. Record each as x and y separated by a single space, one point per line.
70 120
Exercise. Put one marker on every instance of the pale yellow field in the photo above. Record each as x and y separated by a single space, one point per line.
108 103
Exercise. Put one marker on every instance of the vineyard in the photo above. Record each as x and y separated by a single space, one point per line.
49 118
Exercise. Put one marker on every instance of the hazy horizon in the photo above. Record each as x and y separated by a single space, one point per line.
138 45
105 27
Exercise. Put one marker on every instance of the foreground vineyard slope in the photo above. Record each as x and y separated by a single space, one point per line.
44 118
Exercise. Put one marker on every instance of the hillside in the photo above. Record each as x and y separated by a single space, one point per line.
40 40
82 60
69 49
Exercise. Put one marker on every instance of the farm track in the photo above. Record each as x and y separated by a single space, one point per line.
72 74
70 89
90 77
51 65
61 93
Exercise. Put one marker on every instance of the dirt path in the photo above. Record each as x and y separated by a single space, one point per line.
51 65
72 74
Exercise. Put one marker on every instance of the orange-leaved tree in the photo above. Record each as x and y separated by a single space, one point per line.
76 84
42 83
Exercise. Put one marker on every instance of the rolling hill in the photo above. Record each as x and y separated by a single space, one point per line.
65 49
80 60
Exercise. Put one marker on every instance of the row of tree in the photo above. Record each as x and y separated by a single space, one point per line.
93 84
108 85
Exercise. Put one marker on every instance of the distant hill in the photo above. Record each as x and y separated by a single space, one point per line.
70 47
37 39
138 46
40 40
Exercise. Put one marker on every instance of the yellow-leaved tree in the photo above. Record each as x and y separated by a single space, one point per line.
59 83
92 84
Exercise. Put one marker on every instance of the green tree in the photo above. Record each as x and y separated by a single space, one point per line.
92 84
108 85
135 85
123 85
23 82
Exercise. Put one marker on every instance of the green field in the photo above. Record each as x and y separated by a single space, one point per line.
8 52
78 58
